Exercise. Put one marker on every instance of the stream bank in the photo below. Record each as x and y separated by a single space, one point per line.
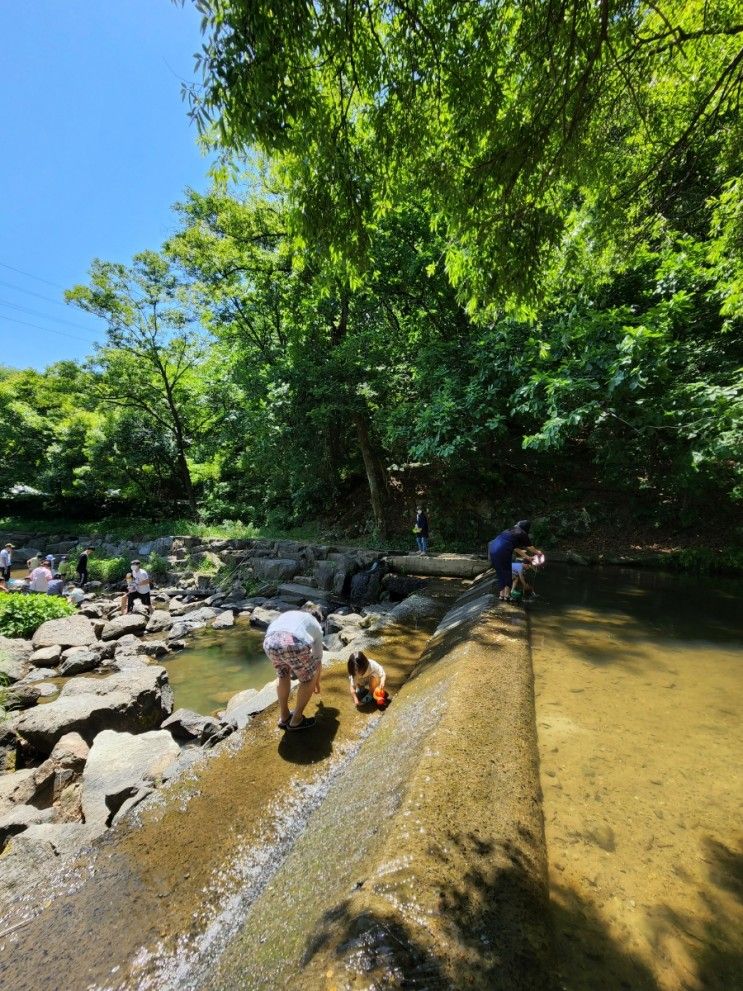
172 877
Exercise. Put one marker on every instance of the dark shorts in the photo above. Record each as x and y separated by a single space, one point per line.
290 657
144 598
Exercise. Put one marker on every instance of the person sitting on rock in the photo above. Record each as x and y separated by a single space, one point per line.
366 680
56 585
141 587
40 578
293 644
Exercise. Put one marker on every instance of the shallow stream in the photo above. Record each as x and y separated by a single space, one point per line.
639 678
216 665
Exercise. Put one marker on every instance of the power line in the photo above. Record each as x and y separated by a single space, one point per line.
28 275
48 330
30 292
46 316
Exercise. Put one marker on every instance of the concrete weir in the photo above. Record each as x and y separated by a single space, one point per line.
425 865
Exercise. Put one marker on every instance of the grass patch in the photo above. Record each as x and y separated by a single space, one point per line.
22 615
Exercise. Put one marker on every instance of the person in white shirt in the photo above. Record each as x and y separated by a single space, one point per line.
141 587
366 680
40 578
75 595
293 644
6 560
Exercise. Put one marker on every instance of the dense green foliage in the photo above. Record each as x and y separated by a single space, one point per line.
490 252
21 615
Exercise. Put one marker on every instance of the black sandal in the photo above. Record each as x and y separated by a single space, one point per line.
307 723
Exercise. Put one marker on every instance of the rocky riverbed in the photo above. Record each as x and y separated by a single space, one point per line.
90 732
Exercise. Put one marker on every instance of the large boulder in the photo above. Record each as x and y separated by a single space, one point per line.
15 655
224 620
46 656
275 569
79 661
262 618
119 766
118 627
159 620
74 631
134 700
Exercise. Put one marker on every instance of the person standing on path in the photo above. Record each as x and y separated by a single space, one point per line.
293 644
82 566
501 550
6 561
421 530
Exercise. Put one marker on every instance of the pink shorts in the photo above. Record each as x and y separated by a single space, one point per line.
292 658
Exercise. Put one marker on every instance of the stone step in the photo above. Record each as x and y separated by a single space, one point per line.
298 594
438 565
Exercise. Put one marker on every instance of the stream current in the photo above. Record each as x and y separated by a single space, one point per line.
638 680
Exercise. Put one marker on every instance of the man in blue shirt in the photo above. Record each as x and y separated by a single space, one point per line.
501 550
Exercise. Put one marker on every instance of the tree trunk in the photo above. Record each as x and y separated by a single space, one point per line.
375 473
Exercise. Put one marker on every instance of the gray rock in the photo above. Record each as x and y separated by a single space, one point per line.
178 608
14 658
70 751
275 569
79 661
74 631
16 788
121 625
201 615
20 817
40 674
262 618
159 620
153 648
66 838
240 709
224 620
119 766
574 558
47 656
128 644
132 700
174 645
189 726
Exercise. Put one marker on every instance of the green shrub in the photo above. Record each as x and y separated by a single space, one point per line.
21 615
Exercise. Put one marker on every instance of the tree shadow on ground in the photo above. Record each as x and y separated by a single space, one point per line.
499 934
312 745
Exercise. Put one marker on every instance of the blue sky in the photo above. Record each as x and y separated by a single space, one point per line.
96 147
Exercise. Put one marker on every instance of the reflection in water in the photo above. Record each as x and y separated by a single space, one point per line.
216 665
638 682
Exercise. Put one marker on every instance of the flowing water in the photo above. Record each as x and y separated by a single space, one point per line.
216 665
639 679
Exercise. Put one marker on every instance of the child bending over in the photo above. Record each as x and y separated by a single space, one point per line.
366 680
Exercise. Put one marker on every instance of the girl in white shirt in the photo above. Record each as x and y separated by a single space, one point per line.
366 677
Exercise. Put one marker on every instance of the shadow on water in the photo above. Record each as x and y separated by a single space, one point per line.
594 958
492 916
313 745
